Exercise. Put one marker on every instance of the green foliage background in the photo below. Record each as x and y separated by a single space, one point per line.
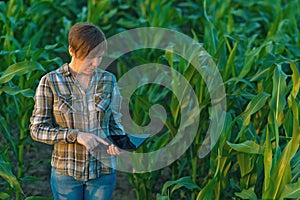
256 45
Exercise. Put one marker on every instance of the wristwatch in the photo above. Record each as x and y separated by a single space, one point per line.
72 135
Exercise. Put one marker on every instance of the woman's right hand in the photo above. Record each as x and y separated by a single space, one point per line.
90 141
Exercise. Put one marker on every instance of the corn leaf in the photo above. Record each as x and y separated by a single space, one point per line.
281 174
278 102
230 61
255 104
207 192
4 195
19 69
295 79
246 194
247 147
186 182
267 160
6 174
291 190
14 91
162 197
251 56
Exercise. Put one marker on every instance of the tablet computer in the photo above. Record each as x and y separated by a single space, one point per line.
130 141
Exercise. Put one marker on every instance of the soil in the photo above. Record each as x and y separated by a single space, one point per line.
37 161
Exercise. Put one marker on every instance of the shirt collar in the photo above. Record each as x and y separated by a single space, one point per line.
65 70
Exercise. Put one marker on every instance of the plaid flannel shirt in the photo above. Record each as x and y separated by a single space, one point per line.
62 108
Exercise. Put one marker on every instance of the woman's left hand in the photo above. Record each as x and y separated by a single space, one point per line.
113 150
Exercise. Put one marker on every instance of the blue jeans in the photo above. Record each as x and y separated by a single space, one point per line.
66 187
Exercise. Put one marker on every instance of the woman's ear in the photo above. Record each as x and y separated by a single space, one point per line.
71 52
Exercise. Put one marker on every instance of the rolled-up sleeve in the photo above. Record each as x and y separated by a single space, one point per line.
42 124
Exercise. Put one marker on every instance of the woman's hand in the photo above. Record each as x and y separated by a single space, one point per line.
91 141
113 150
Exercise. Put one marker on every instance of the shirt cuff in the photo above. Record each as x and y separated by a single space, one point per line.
72 135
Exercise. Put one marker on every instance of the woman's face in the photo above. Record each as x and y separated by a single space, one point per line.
88 64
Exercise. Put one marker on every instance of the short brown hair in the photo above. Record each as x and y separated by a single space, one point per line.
84 37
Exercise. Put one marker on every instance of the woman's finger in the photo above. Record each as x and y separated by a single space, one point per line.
113 150
102 141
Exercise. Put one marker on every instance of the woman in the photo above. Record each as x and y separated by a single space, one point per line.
76 107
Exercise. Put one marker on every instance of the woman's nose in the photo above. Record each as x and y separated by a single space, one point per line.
97 61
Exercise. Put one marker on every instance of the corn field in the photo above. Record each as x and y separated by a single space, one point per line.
256 47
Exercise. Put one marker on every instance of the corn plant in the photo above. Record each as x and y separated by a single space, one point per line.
255 45
249 86
26 56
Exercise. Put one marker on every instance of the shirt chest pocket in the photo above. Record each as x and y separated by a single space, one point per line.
67 104
102 101
64 110
64 104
